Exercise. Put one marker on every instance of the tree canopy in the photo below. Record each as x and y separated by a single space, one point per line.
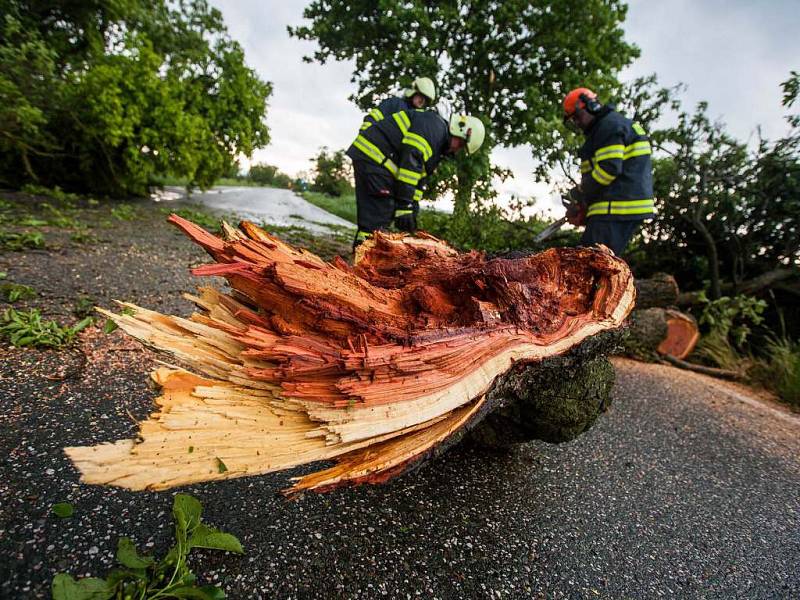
101 96
507 62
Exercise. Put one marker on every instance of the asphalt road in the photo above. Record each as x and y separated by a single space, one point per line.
684 488
262 204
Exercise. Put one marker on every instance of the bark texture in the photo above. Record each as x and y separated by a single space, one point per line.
378 366
652 332
660 290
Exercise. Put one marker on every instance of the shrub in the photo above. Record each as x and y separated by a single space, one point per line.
332 174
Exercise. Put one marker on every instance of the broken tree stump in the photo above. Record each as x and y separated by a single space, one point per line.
655 332
378 366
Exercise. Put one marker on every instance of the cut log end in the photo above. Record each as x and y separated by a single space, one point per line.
377 366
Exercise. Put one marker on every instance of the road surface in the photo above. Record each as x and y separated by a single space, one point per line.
260 204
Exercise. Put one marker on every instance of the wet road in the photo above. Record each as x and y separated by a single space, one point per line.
259 204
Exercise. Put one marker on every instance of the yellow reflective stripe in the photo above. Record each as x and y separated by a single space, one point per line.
638 129
420 143
417 195
404 211
409 177
369 149
376 114
601 177
622 207
607 152
402 120
390 166
586 166
637 149
365 125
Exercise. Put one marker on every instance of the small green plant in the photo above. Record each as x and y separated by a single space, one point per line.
145 578
198 217
11 292
56 193
21 241
110 326
731 317
63 510
779 370
31 222
84 307
123 212
29 329
82 236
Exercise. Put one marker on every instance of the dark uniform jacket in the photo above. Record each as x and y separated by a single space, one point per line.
617 175
409 144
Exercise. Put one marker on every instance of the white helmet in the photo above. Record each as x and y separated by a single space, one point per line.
424 86
470 129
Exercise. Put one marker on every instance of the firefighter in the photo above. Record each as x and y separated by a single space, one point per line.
616 190
421 94
392 157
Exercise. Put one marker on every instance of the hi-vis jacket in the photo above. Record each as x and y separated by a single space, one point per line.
386 108
617 175
409 144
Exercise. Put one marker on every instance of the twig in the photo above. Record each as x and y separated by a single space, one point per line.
682 364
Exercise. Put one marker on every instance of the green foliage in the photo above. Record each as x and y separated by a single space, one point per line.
105 96
199 217
21 241
264 174
731 317
124 212
727 211
63 510
332 173
84 307
63 198
509 63
144 577
82 236
779 371
29 329
343 206
11 292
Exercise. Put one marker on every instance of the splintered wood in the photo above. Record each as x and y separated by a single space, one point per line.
373 365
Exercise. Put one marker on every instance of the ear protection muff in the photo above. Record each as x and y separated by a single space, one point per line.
590 105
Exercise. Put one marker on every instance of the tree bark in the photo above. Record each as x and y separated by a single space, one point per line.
654 332
378 366
660 290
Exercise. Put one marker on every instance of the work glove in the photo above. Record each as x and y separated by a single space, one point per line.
574 202
405 219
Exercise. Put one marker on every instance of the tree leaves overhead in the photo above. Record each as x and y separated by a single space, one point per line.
507 62
102 96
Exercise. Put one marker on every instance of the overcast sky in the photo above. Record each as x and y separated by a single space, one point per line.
733 53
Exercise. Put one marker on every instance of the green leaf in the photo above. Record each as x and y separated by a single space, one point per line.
110 326
187 510
64 587
221 465
127 555
214 592
193 592
82 324
208 537
63 509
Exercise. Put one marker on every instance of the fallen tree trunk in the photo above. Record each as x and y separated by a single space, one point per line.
655 332
378 366
660 290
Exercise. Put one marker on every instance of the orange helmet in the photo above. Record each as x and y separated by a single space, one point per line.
573 101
